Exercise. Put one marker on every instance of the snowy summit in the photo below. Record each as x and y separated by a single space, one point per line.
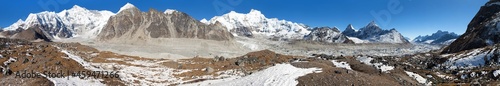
126 6
254 22
170 11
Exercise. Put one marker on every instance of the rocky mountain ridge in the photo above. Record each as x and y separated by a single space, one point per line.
440 37
327 34
374 34
130 23
482 31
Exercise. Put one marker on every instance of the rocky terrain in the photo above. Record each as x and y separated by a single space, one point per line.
322 69
481 31
171 48
33 33
42 56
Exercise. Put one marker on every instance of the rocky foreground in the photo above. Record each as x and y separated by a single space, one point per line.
262 68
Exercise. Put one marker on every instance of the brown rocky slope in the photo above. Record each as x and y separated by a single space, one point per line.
32 33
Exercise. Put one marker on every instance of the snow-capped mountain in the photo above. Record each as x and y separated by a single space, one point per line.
440 37
255 22
74 22
349 30
132 24
327 34
374 34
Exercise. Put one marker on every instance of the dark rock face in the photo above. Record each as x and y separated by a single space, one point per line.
349 30
369 30
483 30
132 23
327 34
243 31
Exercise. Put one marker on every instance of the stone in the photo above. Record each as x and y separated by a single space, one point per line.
209 70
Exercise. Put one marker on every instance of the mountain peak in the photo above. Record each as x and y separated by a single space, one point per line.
439 31
232 12
126 6
335 27
77 7
14 26
372 23
254 11
204 21
20 21
350 27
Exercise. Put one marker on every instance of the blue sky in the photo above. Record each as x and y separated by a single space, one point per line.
410 17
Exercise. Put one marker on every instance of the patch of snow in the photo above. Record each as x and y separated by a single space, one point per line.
82 62
279 75
250 46
419 78
357 40
365 59
210 82
496 73
9 61
74 81
114 59
386 68
444 76
145 75
341 64
170 11
429 41
449 41
473 74
474 58
205 21
380 66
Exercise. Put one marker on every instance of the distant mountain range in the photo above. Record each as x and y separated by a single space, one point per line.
372 33
74 22
255 22
440 37
130 22
327 34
